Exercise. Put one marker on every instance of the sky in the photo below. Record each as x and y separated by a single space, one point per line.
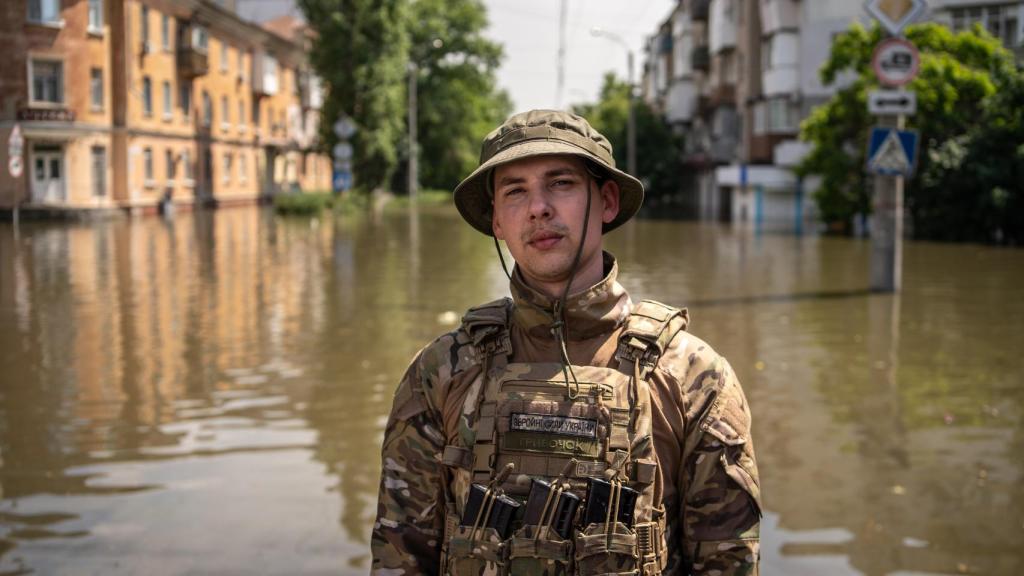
528 29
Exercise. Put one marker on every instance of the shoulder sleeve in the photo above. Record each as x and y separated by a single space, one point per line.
720 489
407 533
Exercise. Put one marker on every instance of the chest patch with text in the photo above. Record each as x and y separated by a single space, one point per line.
553 424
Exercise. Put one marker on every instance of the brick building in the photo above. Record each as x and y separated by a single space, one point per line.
123 103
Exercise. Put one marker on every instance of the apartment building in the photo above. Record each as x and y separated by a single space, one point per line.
125 103
737 77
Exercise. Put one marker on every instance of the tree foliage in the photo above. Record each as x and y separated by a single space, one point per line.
360 52
658 163
458 102
970 179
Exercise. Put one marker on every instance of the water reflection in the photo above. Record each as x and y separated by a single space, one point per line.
202 394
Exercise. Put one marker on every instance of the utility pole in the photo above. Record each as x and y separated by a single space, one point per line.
561 54
414 176
631 122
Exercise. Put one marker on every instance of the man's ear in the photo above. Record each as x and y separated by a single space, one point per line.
610 199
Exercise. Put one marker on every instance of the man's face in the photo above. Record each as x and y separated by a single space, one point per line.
539 204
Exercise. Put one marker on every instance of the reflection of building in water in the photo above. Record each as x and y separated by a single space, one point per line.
123 103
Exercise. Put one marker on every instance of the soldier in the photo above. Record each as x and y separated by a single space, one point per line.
566 430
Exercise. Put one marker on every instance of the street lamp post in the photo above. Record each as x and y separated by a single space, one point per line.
631 122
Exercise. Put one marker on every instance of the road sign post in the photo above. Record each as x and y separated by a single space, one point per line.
891 150
341 180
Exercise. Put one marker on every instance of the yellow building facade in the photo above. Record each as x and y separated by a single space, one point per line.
125 104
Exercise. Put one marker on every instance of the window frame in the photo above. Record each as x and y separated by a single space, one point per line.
225 113
35 102
226 162
147 96
94 105
144 29
165 32
148 177
207 111
95 7
168 101
170 170
98 177
56 21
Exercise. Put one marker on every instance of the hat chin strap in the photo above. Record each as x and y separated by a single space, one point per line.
559 328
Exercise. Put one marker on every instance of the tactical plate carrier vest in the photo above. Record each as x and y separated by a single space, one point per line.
522 421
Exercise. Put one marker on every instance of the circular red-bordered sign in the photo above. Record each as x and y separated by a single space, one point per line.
895 61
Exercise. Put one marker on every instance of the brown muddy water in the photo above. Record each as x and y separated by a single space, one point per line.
207 395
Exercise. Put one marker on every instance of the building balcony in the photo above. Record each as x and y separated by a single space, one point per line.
700 58
681 103
779 15
192 62
783 81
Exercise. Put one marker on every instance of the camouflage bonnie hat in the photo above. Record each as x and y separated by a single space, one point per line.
539 133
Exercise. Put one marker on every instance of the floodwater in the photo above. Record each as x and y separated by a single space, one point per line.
207 395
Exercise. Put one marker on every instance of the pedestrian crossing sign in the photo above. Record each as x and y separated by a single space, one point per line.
892 152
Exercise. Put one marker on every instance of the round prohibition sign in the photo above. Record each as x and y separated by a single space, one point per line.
895 61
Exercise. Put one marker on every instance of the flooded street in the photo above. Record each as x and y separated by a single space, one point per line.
207 395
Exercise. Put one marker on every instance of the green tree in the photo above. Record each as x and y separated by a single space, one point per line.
360 52
658 151
458 101
969 176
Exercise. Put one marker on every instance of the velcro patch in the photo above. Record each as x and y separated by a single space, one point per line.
550 444
553 424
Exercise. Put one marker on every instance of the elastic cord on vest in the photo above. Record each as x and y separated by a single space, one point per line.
559 327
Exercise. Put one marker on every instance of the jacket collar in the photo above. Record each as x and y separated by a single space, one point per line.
597 310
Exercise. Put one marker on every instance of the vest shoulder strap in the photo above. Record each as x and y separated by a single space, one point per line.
487 327
650 328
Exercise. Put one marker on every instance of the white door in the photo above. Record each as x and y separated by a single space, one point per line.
48 176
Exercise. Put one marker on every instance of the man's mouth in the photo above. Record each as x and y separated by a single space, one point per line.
544 240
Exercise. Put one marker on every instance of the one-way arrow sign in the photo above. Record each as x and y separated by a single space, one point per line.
892 102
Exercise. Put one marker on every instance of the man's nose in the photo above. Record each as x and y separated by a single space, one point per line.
540 205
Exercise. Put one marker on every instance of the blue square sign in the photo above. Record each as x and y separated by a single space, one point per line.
892 152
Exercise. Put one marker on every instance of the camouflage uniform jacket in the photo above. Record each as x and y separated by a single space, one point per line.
709 481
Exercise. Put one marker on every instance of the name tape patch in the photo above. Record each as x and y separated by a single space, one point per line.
552 424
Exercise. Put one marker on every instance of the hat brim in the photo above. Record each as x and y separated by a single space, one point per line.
474 203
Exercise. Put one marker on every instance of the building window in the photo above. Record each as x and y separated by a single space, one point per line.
144 28
168 103
186 165
226 176
169 163
1000 21
96 88
47 81
241 115
99 171
147 96
96 16
147 166
165 33
200 40
223 57
243 167
44 11
207 109
225 120
185 98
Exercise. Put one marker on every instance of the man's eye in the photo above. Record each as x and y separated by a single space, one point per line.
513 192
562 183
